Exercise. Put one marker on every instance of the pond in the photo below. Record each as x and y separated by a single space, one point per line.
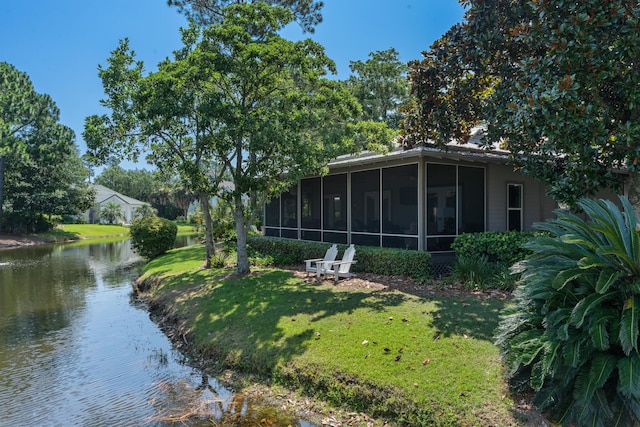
76 348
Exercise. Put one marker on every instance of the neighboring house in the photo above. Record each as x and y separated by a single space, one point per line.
106 195
420 198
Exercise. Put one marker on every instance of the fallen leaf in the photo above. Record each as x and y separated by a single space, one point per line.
437 338
426 361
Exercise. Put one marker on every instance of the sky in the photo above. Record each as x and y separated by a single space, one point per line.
60 43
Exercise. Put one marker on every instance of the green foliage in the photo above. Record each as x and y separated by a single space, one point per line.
144 210
473 272
41 173
139 183
505 247
111 213
385 261
483 259
555 83
572 332
207 12
152 236
237 99
380 85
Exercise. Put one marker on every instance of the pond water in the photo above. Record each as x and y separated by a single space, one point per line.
77 349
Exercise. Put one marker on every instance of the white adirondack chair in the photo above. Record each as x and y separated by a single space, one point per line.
340 268
312 265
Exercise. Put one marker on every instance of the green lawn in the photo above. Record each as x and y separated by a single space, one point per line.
415 360
67 232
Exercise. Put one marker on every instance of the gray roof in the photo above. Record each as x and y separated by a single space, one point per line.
471 151
103 193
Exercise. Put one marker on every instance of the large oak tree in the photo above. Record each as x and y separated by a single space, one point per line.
555 82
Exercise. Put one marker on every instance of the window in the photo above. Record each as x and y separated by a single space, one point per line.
310 203
514 207
334 195
365 201
455 203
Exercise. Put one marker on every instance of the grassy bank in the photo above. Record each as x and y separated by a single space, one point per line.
412 359
70 232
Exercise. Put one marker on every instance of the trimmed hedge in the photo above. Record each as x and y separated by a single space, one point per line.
371 259
504 247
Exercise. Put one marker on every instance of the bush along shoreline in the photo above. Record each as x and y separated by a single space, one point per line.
401 358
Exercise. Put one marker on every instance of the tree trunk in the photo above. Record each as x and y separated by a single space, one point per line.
241 232
2 162
208 229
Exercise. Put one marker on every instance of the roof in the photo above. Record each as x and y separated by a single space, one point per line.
103 194
470 151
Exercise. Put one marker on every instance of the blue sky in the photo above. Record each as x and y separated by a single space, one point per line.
59 43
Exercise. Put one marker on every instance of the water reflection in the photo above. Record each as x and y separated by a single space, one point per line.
76 350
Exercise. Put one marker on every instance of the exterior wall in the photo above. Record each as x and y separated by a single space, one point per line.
537 206
104 195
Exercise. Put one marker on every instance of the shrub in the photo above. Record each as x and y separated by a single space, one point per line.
473 272
572 332
152 236
371 259
504 247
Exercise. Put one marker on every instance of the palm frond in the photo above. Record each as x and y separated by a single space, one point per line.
629 325
629 376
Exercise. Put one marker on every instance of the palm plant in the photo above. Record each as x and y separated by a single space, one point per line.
111 213
144 210
572 332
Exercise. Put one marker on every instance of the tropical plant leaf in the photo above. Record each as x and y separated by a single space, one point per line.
587 306
565 276
594 378
606 279
599 334
629 376
629 324
571 353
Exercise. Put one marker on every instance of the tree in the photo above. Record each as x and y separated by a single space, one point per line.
139 183
230 103
556 83
40 170
143 211
380 85
20 108
207 12
111 212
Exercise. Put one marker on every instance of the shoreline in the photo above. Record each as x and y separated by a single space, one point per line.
289 400
9 241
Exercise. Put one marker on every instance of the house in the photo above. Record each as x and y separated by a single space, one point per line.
105 195
420 198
